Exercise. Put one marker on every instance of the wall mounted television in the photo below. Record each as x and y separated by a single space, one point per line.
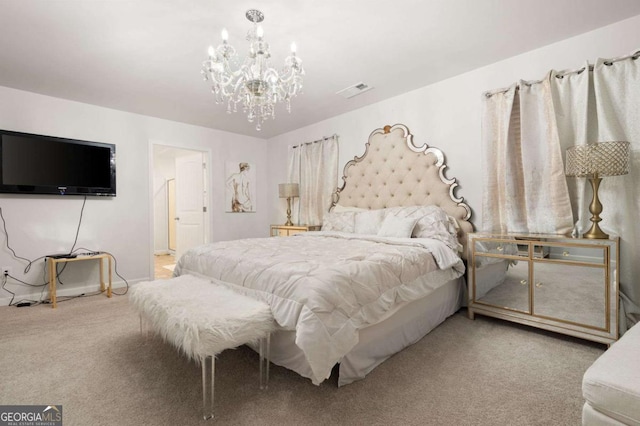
38 164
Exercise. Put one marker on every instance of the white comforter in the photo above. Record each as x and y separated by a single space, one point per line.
327 285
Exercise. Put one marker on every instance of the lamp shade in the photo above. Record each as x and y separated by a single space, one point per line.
288 190
601 159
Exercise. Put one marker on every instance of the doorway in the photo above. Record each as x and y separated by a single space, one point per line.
179 199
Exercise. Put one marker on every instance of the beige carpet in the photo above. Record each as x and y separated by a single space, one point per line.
88 356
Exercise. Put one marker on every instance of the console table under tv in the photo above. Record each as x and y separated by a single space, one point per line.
53 261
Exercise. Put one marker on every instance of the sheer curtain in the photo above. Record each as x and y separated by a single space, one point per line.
314 166
566 108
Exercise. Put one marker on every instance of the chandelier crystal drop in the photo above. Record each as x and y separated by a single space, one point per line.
255 84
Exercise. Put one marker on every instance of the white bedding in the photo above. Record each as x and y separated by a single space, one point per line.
327 285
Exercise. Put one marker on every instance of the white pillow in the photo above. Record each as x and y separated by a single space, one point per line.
432 222
398 227
340 209
368 222
341 221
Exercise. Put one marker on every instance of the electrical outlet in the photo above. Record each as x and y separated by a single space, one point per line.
6 270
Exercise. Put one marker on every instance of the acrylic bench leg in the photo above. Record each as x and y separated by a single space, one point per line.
144 328
208 380
265 355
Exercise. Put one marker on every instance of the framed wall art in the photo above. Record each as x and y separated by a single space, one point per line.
240 187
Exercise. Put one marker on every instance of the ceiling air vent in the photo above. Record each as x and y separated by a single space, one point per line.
354 90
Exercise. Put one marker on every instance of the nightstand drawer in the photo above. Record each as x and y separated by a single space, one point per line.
287 231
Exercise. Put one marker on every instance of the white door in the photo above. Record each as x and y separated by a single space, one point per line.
189 202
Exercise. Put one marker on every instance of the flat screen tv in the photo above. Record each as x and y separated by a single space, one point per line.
37 164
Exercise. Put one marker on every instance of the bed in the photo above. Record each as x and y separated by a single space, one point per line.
386 268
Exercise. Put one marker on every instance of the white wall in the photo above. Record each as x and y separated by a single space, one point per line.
164 169
40 225
447 114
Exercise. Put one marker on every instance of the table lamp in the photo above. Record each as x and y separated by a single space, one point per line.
593 161
289 191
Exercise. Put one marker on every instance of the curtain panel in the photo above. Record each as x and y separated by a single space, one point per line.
526 129
525 187
617 94
314 166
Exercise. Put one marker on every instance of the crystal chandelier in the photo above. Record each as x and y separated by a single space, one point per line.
255 84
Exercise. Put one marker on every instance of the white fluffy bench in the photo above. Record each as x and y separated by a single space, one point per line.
202 319
611 386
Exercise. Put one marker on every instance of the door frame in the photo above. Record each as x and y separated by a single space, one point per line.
171 223
207 156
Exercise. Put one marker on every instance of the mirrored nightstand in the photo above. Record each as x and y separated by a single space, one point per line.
567 285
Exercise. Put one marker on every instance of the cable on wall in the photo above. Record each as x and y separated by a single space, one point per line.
29 302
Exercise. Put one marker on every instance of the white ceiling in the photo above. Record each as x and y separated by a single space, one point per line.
144 56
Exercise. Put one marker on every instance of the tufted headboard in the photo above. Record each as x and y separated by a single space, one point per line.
394 172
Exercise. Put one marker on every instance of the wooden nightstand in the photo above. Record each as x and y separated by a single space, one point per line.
286 231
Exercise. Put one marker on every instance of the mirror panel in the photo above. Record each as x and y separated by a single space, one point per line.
570 293
503 283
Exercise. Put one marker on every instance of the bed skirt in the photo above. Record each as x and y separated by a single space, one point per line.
377 342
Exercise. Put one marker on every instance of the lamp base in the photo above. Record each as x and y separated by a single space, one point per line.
595 233
288 222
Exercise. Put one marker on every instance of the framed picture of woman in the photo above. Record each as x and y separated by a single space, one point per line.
240 187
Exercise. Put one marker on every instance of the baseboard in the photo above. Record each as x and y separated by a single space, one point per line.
65 292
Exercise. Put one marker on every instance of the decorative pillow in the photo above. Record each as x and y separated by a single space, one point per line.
398 227
341 221
368 222
432 222
340 209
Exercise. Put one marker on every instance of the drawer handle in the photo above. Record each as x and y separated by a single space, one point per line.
523 282
538 284
565 253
